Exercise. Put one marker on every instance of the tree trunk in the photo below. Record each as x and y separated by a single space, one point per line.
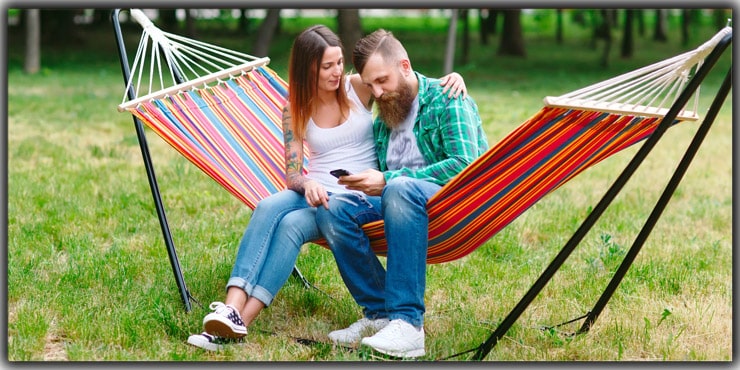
244 21
59 22
190 18
660 33
685 25
628 40
606 34
640 18
167 20
466 36
451 38
559 26
33 41
487 24
720 19
512 36
265 33
350 31
101 17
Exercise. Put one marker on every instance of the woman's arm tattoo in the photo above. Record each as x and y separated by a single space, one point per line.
294 178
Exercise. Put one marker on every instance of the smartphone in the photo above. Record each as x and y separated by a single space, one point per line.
339 172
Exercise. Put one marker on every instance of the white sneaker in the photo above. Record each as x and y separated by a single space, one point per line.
224 321
210 342
399 339
355 332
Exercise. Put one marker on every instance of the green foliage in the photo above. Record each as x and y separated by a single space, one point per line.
89 277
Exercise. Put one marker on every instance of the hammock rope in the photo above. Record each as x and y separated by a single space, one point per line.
232 131
194 62
646 91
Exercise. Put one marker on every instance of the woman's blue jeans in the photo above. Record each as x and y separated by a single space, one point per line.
396 292
279 226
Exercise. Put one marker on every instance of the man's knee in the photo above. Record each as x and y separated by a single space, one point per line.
400 190
325 216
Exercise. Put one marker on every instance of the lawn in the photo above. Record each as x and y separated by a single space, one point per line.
88 272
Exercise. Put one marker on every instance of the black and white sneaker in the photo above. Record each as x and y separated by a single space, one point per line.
225 321
210 342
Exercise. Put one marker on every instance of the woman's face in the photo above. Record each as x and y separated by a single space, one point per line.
331 69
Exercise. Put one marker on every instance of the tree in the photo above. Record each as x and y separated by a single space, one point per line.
101 17
465 13
639 15
350 31
244 21
720 18
59 22
628 34
190 18
265 33
660 31
487 24
512 36
559 26
33 41
451 38
167 19
604 31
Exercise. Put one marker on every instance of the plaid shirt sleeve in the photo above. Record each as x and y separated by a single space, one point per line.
449 134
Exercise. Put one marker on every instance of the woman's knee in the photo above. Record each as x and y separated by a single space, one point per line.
299 225
279 200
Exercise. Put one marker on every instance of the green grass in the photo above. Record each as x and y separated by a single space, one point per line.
89 277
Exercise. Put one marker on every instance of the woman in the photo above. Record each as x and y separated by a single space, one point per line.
331 112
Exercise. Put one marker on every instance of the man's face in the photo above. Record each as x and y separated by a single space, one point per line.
392 92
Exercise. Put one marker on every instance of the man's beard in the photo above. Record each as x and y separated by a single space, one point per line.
394 107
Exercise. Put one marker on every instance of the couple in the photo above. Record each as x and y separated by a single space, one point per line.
423 136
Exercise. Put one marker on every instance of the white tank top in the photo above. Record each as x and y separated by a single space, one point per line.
349 146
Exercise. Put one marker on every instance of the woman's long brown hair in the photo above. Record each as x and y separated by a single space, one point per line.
303 75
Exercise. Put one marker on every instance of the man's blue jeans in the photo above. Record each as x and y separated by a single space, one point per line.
279 226
398 292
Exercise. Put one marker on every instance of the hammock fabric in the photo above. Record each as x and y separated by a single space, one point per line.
215 129
232 132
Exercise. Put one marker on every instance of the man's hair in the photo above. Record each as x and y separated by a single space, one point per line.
380 41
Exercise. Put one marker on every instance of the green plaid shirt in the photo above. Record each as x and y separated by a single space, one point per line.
448 132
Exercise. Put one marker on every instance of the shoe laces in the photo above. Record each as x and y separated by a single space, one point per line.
220 340
229 311
394 327
360 324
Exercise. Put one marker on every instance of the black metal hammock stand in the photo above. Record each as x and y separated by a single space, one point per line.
485 348
151 176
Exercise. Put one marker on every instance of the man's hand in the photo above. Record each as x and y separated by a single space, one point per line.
370 182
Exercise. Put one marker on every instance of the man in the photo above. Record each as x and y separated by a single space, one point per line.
423 139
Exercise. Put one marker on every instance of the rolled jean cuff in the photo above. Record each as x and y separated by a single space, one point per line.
257 292
263 295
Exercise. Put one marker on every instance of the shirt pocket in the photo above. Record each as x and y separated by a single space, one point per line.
431 135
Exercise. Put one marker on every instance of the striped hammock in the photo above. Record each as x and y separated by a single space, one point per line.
231 130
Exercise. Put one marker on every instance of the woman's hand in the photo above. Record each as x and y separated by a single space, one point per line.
455 84
315 194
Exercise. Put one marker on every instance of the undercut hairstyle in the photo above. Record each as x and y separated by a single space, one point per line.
380 41
303 75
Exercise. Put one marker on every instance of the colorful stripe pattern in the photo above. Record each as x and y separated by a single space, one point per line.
539 156
233 133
